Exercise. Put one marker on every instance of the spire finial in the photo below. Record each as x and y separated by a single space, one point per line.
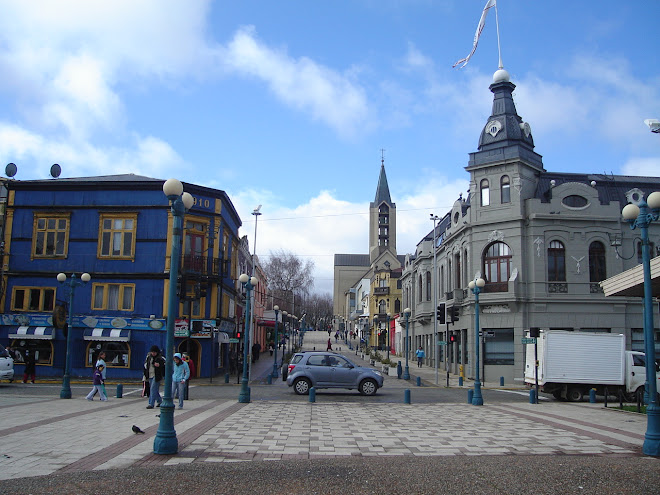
382 157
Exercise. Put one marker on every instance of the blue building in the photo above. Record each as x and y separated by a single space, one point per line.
119 230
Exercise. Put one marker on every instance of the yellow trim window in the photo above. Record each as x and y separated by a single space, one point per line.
113 297
38 299
51 236
117 236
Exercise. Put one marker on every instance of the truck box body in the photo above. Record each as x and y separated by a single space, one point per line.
578 358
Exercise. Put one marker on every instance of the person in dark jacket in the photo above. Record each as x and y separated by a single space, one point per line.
30 366
154 369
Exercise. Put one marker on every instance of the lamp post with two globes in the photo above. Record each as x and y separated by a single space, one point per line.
249 283
406 370
65 392
275 374
165 441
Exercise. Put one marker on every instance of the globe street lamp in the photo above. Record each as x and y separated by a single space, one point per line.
641 214
65 392
406 371
475 286
274 374
434 278
249 283
165 441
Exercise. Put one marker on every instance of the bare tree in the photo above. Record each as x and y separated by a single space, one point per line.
289 279
318 309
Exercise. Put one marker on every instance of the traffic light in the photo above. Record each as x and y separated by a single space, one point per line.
440 315
452 338
534 332
238 334
454 313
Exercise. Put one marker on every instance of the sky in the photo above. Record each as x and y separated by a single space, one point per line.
292 105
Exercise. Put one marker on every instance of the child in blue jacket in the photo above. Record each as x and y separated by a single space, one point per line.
98 384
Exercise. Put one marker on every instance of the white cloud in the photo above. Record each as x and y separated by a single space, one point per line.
327 95
649 167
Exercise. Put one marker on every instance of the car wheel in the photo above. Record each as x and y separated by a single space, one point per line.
302 386
368 387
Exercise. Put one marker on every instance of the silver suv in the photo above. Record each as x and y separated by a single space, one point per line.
330 370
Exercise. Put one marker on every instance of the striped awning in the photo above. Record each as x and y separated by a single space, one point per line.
41 333
108 334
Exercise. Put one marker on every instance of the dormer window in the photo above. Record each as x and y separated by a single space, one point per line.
485 192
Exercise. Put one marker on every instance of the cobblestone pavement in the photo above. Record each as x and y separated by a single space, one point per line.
41 436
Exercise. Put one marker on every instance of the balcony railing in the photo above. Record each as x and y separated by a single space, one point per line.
381 291
192 264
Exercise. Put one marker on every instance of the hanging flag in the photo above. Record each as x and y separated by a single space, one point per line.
480 28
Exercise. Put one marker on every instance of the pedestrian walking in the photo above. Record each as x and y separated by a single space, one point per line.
30 366
180 375
329 345
271 348
97 381
191 364
420 355
154 369
100 361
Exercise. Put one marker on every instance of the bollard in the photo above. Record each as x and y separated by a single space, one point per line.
501 381
312 394
592 396
120 390
226 377
399 370
419 381
460 381
470 394
269 379
406 396
532 396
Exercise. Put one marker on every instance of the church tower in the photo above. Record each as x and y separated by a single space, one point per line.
382 220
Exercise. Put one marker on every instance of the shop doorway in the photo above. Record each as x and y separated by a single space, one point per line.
193 348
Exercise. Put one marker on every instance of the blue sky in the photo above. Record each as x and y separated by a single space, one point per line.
288 104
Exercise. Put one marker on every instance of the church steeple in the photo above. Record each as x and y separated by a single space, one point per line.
382 219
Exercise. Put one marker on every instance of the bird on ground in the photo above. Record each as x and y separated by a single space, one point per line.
137 430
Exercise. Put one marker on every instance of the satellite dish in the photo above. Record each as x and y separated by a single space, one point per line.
55 171
10 170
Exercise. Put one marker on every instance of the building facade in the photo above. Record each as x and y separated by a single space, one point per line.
542 241
119 230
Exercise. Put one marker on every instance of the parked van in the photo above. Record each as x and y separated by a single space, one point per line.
6 365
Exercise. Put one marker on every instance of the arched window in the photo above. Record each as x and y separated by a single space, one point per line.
382 307
419 292
505 189
556 262
485 193
497 267
397 306
597 271
428 286
441 277
117 354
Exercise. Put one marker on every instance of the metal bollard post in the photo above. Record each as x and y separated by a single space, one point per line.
470 395
592 396
269 379
460 381
312 394
120 390
226 377
501 381
419 381
532 396
406 396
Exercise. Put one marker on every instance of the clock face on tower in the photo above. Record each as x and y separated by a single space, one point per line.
493 127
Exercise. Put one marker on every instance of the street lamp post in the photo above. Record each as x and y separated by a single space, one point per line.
640 214
406 370
65 392
249 283
274 374
165 441
389 315
434 279
475 286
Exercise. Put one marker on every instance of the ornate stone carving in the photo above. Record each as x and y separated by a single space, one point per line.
496 235
496 308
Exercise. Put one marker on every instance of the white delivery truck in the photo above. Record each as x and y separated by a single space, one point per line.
572 363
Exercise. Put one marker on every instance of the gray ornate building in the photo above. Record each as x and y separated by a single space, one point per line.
542 241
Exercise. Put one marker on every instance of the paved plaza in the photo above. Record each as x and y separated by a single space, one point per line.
44 435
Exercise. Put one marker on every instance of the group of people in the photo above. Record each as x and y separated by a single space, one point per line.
30 370
154 370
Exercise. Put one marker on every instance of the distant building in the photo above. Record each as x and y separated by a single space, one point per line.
542 241
119 230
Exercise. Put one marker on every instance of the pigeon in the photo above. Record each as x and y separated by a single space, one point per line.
137 430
